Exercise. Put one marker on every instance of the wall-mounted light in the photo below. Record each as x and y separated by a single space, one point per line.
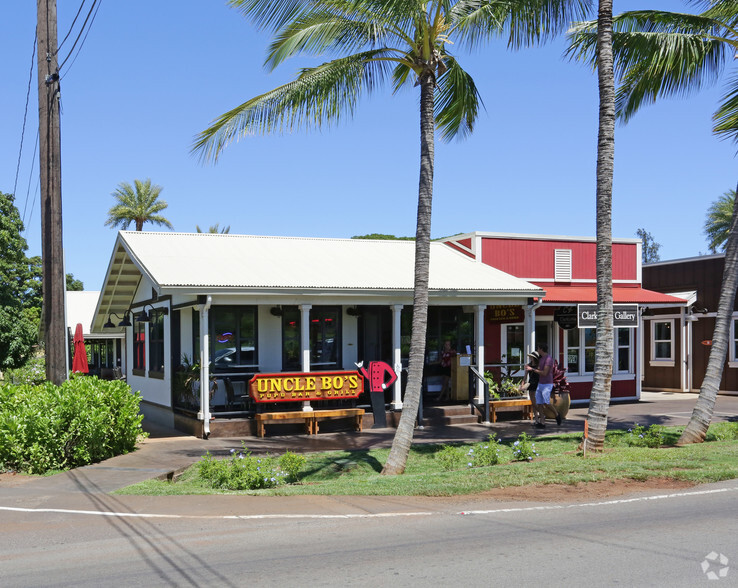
645 311
353 311
125 322
145 317
276 311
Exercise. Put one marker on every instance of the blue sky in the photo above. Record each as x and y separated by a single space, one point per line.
151 75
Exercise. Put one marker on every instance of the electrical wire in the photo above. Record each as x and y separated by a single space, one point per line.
25 113
83 40
84 25
69 32
30 175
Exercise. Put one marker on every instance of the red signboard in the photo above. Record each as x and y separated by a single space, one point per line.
301 387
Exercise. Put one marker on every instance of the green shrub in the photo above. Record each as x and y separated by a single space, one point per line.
83 421
243 471
722 432
32 373
483 454
638 436
524 449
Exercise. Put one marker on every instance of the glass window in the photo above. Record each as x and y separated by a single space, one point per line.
514 345
590 341
325 338
734 336
291 360
622 353
233 342
139 345
156 341
572 351
661 339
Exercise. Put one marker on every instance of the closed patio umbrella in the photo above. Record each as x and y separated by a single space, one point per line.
79 363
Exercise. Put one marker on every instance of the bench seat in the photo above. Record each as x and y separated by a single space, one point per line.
523 403
310 418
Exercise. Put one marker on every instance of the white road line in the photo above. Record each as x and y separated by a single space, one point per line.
363 515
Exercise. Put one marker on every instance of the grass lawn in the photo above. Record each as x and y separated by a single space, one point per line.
445 470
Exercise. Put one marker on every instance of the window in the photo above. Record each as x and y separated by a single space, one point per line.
156 343
325 338
139 347
514 344
234 339
734 339
572 351
580 350
622 350
662 341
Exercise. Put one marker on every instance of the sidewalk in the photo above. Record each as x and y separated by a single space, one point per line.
167 451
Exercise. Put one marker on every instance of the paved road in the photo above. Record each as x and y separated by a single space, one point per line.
644 540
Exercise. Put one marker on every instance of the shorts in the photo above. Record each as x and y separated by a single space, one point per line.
543 393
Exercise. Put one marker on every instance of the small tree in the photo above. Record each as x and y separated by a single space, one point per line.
650 251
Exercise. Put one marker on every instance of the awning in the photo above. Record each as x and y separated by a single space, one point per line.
620 295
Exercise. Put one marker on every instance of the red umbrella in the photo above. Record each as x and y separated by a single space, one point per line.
79 363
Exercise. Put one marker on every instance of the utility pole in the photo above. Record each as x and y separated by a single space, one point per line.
53 316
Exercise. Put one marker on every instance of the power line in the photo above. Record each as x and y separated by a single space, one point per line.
83 40
25 113
30 175
84 25
69 32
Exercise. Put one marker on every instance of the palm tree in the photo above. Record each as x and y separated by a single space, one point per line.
662 53
719 221
408 42
215 229
137 205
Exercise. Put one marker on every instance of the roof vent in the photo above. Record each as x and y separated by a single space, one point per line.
562 265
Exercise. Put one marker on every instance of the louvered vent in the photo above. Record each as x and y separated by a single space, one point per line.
562 265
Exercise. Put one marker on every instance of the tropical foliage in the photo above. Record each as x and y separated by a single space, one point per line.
719 220
661 53
137 204
408 44
650 250
214 229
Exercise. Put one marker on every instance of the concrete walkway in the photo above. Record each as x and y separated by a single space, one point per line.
167 451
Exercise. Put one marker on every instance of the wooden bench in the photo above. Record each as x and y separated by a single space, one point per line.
524 403
311 418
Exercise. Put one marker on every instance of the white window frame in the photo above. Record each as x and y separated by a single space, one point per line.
662 361
732 356
582 353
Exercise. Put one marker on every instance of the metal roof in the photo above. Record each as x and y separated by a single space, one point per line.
207 260
211 263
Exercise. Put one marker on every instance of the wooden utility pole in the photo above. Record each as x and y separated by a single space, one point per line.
53 317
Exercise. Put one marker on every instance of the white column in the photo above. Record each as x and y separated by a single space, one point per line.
638 356
204 366
305 344
529 330
397 356
479 336
683 350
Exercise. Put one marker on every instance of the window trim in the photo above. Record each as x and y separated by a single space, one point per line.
732 356
662 362
156 314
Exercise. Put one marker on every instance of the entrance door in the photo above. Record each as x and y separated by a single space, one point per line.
375 337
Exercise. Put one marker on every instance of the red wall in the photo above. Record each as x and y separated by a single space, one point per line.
534 259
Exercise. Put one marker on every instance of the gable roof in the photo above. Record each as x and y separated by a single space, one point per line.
211 263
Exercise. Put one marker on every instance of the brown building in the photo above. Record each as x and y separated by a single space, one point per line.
677 344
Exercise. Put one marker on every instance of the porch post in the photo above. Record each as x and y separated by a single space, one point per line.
529 330
204 366
397 356
479 323
684 350
305 344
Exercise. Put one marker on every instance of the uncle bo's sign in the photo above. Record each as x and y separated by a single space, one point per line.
296 387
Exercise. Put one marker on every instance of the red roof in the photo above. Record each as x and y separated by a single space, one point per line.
620 294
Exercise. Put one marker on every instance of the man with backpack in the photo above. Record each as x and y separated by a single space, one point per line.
545 386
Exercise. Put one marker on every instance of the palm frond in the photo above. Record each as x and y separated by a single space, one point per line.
726 116
523 22
457 102
719 221
319 95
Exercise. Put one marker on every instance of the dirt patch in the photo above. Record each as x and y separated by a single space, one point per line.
584 491
9 480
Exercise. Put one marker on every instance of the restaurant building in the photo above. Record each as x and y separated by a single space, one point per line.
220 308
678 341
565 267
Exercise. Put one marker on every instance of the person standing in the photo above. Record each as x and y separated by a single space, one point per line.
532 379
545 386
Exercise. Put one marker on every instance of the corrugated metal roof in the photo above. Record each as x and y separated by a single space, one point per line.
209 260
620 294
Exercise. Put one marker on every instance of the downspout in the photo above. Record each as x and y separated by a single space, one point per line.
205 367
530 326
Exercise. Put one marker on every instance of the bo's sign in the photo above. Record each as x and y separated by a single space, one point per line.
624 315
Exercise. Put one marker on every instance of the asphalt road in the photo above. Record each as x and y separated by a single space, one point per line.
650 539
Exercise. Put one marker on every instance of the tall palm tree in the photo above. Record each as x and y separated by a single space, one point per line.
719 221
214 229
137 205
660 53
408 42
602 378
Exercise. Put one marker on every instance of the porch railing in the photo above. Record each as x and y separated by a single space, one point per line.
474 377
